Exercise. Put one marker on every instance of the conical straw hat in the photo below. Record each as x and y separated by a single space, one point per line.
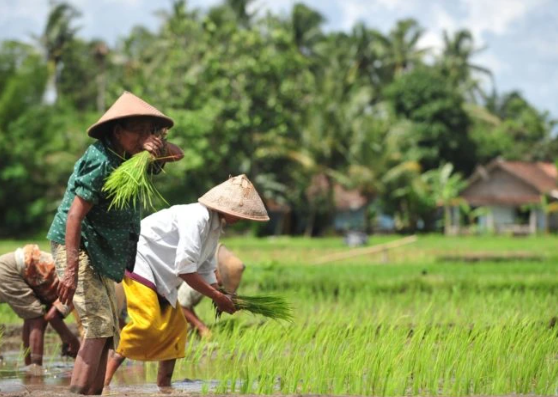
230 268
128 105
236 197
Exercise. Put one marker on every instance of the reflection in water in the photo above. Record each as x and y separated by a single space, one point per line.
133 377
54 375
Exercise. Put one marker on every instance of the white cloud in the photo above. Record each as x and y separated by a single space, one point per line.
431 40
490 61
443 19
34 10
440 20
394 4
126 2
496 16
546 46
353 11
277 6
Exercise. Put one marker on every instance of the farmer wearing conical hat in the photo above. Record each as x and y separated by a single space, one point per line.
29 287
92 244
228 274
178 244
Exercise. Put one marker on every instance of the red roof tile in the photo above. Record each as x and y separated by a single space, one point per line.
542 176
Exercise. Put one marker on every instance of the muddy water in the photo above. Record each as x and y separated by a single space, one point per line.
132 377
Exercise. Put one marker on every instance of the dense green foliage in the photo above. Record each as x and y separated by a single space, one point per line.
272 96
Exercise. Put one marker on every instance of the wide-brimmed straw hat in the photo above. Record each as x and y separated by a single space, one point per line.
128 105
230 268
238 197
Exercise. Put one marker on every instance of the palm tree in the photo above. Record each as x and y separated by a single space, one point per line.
100 52
241 11
334 113
57 35
173 23
401 47
371 54
306 26
455 63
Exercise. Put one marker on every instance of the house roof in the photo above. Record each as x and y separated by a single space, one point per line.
541 177
348 199
344 199
276 206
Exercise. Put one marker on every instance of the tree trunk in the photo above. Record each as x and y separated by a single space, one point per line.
101 89
50 94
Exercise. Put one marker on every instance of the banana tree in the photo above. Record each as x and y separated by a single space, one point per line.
445 187
546 206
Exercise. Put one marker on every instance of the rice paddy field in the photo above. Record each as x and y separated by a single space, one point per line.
448 316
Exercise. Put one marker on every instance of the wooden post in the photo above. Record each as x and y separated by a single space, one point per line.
385 256
533 221
490 221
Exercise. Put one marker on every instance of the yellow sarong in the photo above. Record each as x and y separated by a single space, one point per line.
156 331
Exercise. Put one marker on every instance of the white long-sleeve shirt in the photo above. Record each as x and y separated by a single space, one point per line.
178 240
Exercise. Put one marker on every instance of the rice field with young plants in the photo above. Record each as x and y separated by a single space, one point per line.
409 322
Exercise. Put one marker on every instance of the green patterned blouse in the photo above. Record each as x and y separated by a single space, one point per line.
109 236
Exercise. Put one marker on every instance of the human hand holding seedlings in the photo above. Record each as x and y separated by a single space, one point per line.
131 181
154 144
223 302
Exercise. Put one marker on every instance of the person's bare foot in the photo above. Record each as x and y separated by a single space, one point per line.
35 370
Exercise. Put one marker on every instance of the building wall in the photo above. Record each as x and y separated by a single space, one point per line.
503 215
501 187
350 219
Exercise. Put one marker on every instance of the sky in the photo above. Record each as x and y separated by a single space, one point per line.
520 36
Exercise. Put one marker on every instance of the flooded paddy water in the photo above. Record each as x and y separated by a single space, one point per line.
53 378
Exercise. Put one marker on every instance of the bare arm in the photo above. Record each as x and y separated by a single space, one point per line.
53 311
68 283
195 321
223 302
174 153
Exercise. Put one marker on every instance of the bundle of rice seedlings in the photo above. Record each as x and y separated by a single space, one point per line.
131 183
274 307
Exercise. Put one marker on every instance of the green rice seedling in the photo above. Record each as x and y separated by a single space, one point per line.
271 306
274 307
131 183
